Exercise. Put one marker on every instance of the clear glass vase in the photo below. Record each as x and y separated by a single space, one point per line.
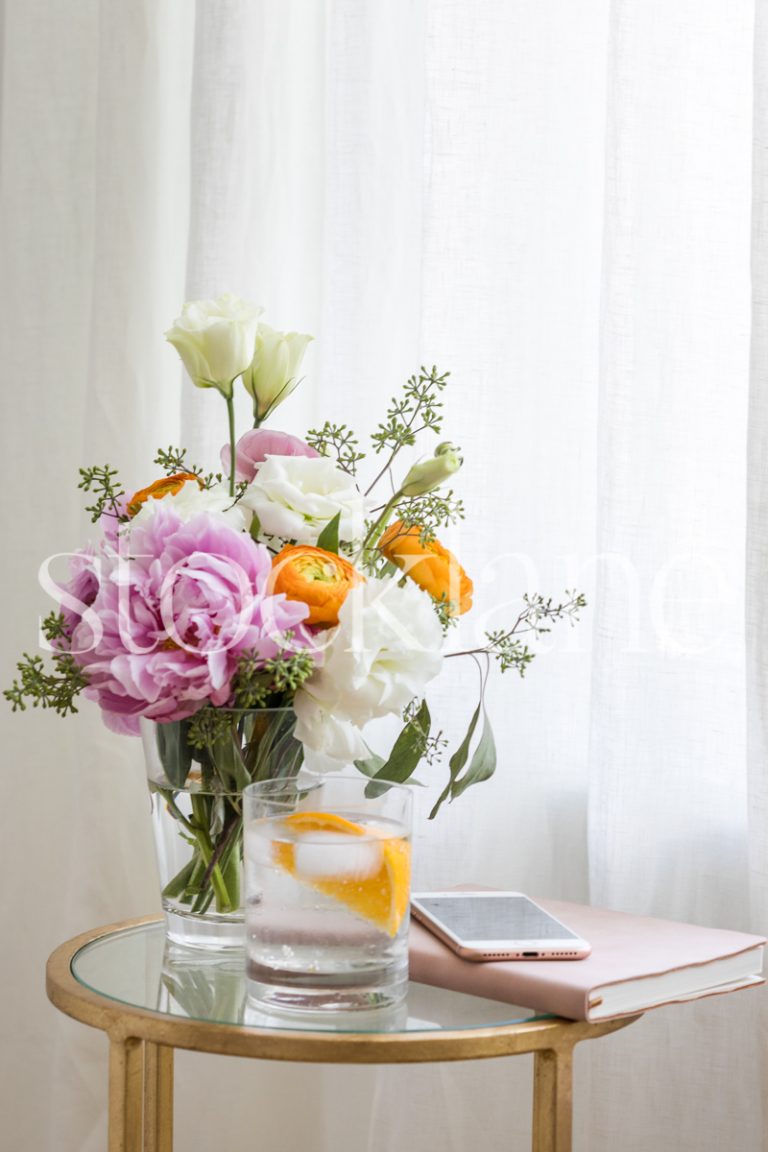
196 774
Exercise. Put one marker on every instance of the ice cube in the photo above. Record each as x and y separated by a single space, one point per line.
334 856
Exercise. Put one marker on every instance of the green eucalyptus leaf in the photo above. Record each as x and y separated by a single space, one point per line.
406 753
329 537
457 761
174 751
371 765
483 762
228 761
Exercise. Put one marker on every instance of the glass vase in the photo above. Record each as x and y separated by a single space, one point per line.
196 771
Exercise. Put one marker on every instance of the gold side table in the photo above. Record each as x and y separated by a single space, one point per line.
150 998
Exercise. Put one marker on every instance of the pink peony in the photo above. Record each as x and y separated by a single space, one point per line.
176 614
77 596
253 448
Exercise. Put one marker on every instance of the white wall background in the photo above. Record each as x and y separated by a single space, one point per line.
553 201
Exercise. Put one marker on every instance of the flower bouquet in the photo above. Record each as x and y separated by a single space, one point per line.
258 616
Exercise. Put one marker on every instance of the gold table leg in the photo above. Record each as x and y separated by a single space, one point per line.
158 1098
140 1096
553 1100
126 1068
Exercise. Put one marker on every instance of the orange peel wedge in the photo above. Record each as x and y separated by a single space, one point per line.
380 898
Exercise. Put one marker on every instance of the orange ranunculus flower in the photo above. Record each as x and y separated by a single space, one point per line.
317 578
431 566
160 488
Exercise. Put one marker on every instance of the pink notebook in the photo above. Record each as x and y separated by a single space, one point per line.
636 963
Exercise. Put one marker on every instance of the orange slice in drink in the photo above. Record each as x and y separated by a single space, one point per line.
379 895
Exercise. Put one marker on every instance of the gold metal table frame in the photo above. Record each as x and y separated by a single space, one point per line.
141 1044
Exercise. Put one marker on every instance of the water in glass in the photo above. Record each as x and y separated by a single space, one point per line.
327 879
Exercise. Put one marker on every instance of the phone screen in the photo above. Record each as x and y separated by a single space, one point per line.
479 917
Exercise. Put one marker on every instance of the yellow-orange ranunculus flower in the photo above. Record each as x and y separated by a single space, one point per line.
160 488
431 566
317 578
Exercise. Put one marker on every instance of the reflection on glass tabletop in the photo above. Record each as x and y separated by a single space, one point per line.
139 967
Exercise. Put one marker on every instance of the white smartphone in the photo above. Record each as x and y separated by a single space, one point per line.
496 926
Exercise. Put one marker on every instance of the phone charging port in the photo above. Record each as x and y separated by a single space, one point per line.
529 955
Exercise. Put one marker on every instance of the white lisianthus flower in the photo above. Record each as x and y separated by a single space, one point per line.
295 497
215 340
386 649
191 500
274 371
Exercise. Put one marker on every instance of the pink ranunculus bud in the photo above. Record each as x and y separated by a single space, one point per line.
254 446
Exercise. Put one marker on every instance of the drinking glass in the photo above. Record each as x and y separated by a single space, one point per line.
327 885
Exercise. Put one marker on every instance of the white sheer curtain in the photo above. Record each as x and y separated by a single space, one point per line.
554 202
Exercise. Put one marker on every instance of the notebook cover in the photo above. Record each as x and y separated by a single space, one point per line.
624 948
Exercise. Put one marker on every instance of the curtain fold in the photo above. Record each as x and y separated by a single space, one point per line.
554 203
757 532
669 827
93 229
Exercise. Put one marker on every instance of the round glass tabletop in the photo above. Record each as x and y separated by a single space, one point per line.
138 967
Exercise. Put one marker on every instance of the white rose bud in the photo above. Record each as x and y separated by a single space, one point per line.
216 339
274 371
430 474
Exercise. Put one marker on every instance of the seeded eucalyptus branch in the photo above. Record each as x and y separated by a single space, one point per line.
54 627
540 613
537 616
418 410
429 513
509 652
339 442
173 460
103 484
206 728
57 688
259 684
290 670
447 612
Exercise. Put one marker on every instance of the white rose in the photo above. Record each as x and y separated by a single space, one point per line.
327 739
295 497
216 339
191 499
274 371
384 652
